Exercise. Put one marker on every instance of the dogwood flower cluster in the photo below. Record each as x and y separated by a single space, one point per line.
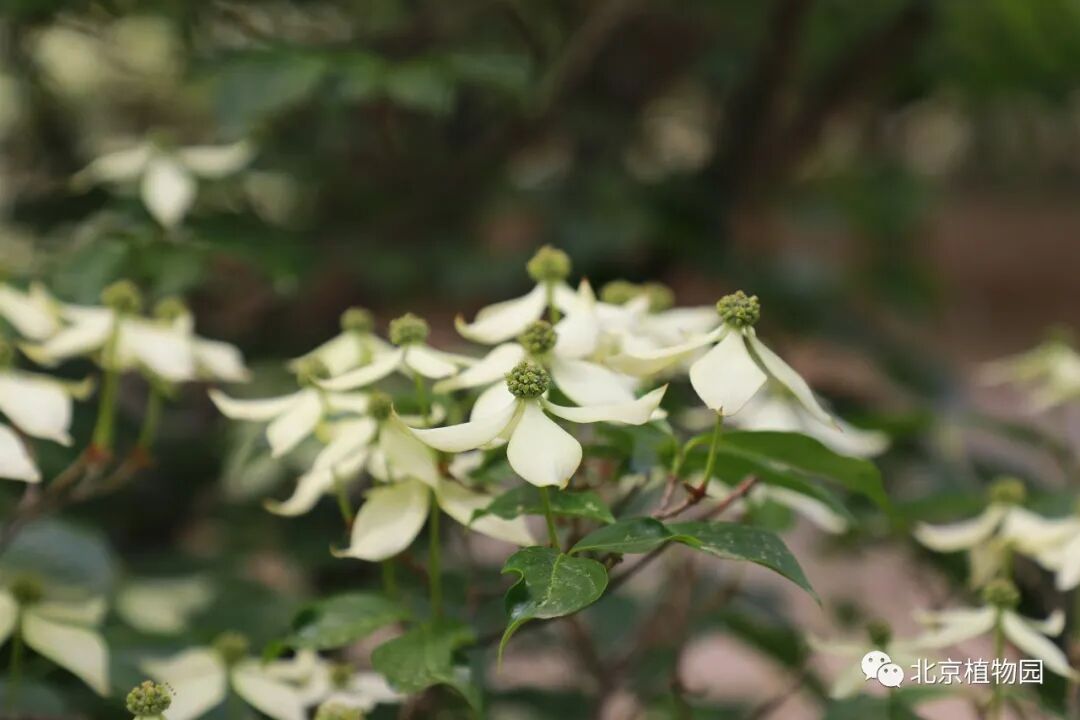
1050 373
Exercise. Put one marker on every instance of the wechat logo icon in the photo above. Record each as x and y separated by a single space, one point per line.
876 665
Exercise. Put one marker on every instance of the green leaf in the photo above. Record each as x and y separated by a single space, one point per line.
525 500
63 554
551 585
626 537
733 541
800 453
424 657
342 619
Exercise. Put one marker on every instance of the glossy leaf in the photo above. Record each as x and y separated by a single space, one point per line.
342 619
425 656
525 500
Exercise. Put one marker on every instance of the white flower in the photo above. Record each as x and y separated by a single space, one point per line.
15 460
166 178
539 450
291 418
62 630
734 370
322 681
412 357
214 360
1054 543
33 314
163 605
814 510
38 406
201 679
779 411
394 513
950 627
356 345
1051 370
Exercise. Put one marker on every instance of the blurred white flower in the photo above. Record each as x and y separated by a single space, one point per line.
163 606
167 177
816 511
539 450
340 683
734 370
356 345
34 314
61 629
202 678
214 360
1051 371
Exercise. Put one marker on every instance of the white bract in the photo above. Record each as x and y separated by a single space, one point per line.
395 510
214 360
1054 543
167 177
734 370
38 406
164 606
60 629
202 678
1051 371
354 346
816 511
33 314
538 449
325 682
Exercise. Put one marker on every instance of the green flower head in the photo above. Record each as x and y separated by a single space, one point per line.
1008 491
527 380
27 589
380 405
661 297
123 296
549 264
619 292
310 370
337 711
1001 593
340 674
739 310
232 647
358 320
539 338
409 329
170 309
880 633
148 699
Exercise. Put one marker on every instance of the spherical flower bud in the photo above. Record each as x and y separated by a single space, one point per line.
1001 593
1008 491
148 699
527 380
27 590
170 309
661 297
311 370
232 647
341 674
619 292
380 405
408 329
331 710
358 320
739 310
880 633
539 338
123 296
549 264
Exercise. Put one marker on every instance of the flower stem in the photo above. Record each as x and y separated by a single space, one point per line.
106 419
389 578
342 494
422 397
151 419
15 669
553 312
997 700
549 517
435 559
711 462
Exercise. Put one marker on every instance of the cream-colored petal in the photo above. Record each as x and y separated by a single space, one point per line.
164 606
271 697
812 509
643 361
220 361
121 166
578 334
216 161
388 521
505 320
460 503
727 376
588 383
540 451
377 369
950 627
31 314
39 406
492 401
167 189
470 435
256 410
961 535
428 362
492 368
76 649
366 690
159 348
786 376
1032 533
294 425
82 338
89 611
310 487
15 460
1035 645
406 456
9 614
635 412
1068 570
355 403
348 437
338 355
675 325
197 678
1052 626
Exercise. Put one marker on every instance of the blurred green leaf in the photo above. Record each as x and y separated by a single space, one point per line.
341 619
525 500
424 656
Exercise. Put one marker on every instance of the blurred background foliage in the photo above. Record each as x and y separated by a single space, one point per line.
895 179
